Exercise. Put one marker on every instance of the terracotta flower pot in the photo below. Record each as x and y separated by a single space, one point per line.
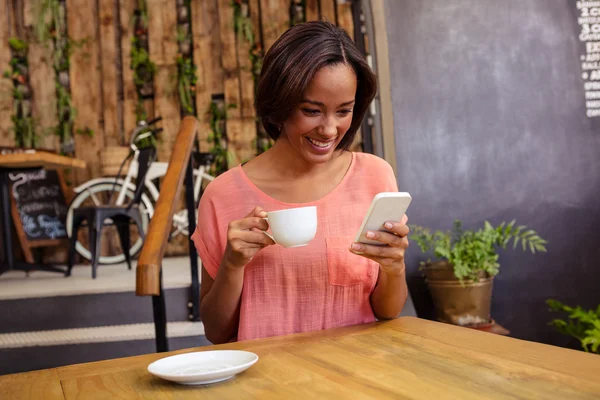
459 304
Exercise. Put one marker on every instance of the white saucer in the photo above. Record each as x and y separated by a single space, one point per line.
203 367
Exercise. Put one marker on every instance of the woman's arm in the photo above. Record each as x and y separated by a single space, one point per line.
390 294
220 303
220 298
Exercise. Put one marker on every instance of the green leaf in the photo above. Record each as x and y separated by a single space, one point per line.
516 242
474 251
17 44
581 324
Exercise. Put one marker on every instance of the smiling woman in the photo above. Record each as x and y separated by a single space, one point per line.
314 89
322 119
299 58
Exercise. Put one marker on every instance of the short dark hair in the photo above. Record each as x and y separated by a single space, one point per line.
292 62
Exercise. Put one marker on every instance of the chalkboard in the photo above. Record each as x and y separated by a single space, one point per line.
40 204
494 119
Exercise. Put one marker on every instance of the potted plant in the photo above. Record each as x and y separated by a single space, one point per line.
582 325
461 279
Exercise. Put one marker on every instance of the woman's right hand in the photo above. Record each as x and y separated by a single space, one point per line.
245 238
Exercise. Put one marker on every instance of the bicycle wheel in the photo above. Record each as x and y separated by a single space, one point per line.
98 195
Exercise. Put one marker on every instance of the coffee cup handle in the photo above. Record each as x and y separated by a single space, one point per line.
267 233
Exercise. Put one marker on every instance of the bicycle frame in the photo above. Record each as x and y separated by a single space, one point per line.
156 170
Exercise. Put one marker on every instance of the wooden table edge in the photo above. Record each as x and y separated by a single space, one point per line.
41 157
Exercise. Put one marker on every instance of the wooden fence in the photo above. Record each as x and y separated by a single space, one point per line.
102 87
103 44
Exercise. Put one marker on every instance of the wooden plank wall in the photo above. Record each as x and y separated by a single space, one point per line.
86 84
206 36
102 87
312 10
109 63
344 16
6 104
162 33
41 79
231 75
328 10
129 96
102 81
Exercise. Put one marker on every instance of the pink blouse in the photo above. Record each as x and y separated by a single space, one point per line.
318 286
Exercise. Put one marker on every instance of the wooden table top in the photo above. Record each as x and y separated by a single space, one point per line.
406 358
42 159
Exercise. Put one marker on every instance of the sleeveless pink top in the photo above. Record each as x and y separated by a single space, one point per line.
318 286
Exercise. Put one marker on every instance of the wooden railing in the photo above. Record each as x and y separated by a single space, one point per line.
150 260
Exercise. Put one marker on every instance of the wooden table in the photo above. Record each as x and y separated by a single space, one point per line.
403 358
39 159
19 161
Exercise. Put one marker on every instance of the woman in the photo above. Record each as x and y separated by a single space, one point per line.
314 90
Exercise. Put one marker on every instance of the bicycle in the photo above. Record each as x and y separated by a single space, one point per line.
102 191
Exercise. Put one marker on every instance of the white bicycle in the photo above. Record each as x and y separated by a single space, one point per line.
117 191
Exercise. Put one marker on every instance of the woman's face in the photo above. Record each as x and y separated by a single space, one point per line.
320 121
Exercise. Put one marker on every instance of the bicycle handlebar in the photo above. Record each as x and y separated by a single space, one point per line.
143 131
153 121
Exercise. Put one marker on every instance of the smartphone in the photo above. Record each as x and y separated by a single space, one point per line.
386 206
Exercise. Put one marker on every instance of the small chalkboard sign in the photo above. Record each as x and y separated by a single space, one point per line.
40 204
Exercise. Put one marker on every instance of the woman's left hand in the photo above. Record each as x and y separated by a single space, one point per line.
390 256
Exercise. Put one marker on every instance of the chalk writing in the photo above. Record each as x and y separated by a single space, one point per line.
40 204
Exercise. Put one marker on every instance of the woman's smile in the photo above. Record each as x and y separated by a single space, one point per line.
321 146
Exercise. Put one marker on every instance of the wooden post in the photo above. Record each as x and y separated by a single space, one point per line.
112 107
246 141
207 58
344 13
312 10
232 78
129 92
6 102
268 18
275 20
246 81
229 59
42 80
328 10
162 34
255 17
82 19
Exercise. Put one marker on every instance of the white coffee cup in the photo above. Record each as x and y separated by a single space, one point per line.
294 227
